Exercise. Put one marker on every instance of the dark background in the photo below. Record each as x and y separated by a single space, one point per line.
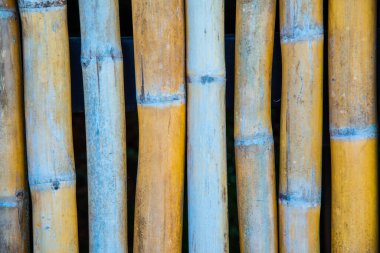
132 126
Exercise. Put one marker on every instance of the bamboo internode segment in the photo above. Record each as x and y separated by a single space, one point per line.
254 151
206 150
353 125
301 27
48 125
14 222
159 34
102 67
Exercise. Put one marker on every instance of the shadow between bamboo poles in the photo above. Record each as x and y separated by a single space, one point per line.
254 151
159 33
206 150
14 222
48 125
353 125
102 67
301 25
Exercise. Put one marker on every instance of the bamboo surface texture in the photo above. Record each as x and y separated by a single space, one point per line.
206 143
353 127
102 67
159 34
254 151
301 28
51 169
14 223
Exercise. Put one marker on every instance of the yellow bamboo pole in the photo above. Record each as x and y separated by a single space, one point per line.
301 25
158 28
102 68
14 223
206 121
254 151
48 125
353 127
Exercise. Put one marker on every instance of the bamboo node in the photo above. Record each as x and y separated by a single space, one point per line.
262 138
40 4
8 13
354 133
301 33
295 200
206 79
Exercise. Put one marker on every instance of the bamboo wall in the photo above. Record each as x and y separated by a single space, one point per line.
251 126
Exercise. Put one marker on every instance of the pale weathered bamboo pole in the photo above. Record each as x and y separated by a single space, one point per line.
254 151
14 223
301 28
353 125
48 125
159 34
206 142
102 67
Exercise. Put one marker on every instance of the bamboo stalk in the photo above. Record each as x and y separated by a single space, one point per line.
48 125
102 67
206 150
301 24
14 222
254 151
353 125
158 28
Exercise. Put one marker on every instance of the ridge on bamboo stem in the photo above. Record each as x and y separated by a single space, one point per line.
254 151
159 33
301 27
51 169
206 142
353 125
14 222
102 67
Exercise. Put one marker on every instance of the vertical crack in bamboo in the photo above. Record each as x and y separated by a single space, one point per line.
254 151
301 28
48 125
159 33
14 217
353 125
102 68
206 143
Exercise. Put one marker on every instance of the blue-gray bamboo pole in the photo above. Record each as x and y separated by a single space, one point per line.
102 67
254 151
14 222
206 143
49 125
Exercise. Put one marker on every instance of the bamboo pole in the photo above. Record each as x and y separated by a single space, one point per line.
14 223
353 125
102 67
301 25
48 125
159 33
206 150
254 151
